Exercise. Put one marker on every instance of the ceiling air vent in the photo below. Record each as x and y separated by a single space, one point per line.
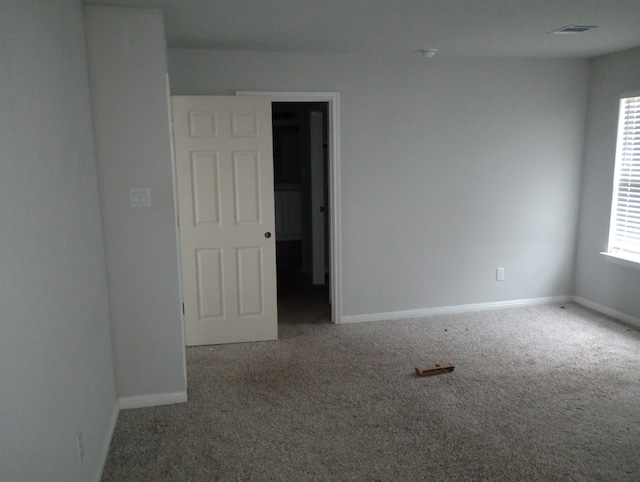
569 29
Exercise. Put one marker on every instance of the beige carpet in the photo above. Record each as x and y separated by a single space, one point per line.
539 393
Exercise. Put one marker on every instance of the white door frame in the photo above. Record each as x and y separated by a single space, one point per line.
335 249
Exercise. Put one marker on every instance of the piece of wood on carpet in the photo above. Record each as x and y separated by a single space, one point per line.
439 369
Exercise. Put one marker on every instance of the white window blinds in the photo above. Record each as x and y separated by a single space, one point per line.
624 230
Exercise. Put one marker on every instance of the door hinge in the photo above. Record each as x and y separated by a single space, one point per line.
183 308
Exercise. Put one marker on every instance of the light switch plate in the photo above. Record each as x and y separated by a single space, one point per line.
140 197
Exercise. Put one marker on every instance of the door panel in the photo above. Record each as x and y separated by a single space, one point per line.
210 283
225 193
246 183
250 285
206 189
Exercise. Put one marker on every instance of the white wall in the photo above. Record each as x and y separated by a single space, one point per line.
56 371
450 168
127 60
599 281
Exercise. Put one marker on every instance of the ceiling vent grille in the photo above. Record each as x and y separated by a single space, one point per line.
572 29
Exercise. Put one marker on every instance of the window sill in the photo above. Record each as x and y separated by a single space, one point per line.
624 261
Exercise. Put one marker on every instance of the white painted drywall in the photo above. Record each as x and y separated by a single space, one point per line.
610 285
56 370
127 60
450 168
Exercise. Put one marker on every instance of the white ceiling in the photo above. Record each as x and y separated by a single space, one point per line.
461 28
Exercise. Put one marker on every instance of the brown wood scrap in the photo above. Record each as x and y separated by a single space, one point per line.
439 369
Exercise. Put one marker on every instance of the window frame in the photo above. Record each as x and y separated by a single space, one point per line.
614 253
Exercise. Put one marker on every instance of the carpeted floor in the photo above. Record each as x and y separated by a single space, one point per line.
538 393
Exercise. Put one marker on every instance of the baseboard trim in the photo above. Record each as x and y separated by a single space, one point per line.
141 401
106 444
605 310
448 310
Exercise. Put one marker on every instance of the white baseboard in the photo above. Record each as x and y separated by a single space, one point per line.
107 442
631 320
141 401
447 310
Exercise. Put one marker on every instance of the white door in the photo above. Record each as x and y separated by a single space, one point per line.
224 163
317 198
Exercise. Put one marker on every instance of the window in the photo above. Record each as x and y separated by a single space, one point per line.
624 229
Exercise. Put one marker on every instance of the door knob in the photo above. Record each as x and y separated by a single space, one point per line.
267 235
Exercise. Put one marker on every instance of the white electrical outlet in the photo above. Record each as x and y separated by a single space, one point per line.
80 447
499 274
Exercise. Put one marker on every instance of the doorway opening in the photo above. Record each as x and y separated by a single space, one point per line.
333 206
301 163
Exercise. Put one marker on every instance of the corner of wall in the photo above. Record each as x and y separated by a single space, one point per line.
104 452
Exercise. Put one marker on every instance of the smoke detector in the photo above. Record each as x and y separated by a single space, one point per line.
428 53
573 28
